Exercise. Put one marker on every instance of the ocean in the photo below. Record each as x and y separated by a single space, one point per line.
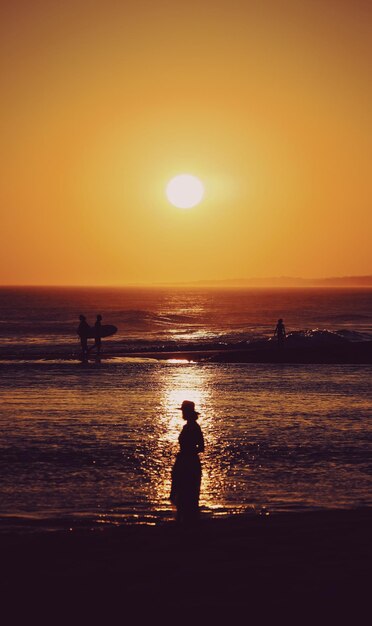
93 446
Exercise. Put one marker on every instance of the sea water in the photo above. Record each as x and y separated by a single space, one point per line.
94 446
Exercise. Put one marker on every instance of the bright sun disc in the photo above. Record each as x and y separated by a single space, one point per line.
185 191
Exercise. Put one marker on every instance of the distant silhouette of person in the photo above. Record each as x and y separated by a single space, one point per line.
186 472
83 332
97 334
280 332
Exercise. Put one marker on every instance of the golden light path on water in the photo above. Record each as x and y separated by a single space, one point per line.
187 382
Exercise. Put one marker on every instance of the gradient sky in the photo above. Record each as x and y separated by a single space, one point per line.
268 102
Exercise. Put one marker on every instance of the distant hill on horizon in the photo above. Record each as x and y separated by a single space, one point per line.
289 281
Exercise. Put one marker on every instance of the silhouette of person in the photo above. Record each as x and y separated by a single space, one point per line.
186 471
280 332
97 334
83 331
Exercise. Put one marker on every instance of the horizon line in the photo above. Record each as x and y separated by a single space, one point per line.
232 282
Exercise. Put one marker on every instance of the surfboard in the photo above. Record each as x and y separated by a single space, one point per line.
106 331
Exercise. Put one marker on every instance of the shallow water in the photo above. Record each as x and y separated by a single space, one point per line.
95 445
42 321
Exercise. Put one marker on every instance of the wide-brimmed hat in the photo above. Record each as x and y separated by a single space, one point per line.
188 407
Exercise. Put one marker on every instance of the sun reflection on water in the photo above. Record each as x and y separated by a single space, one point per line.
185 382
179 361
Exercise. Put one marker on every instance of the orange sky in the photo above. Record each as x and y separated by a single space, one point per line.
268 102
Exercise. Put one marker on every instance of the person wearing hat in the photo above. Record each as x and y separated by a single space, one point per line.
186 472
97 334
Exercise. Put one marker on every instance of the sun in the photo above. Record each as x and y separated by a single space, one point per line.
185 191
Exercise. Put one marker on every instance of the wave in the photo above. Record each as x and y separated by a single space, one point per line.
318 337
46 347
131 322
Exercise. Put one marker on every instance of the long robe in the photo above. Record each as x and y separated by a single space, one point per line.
187 472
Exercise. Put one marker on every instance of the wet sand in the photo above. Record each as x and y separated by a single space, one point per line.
348 353
360 352
302 567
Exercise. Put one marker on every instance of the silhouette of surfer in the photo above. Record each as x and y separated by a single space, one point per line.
186 472
83 332
280 332
97 334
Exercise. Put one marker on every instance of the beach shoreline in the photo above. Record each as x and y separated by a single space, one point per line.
360 352
348 353
313 562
